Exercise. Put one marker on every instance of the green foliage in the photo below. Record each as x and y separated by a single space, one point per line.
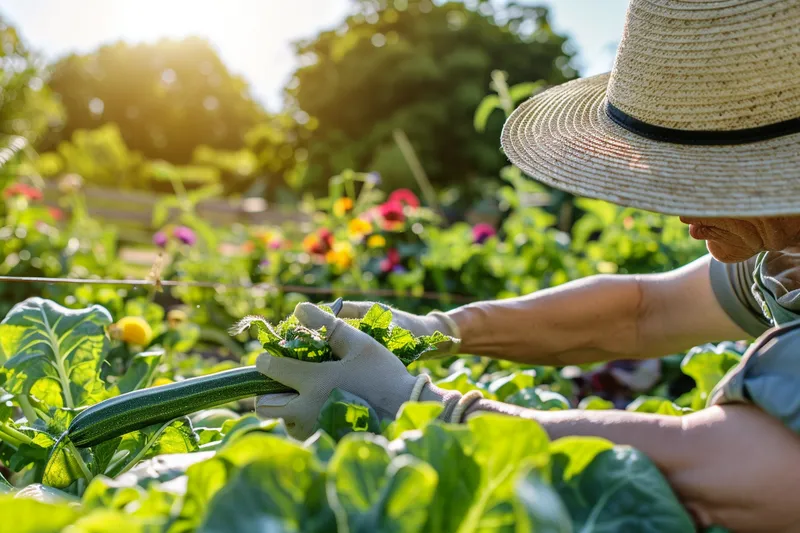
53 344
27 105
423 68
167 98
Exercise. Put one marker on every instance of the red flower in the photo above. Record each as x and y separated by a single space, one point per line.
404 196
20 189
56 213
391 261
326 236
319 243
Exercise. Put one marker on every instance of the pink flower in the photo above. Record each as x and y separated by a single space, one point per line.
185 235
392 215
404 196
481 232
391 261
160 239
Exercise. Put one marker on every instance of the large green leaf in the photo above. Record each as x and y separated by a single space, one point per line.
282 490
447 449
371 491
538 506
174 437
610 488
65 345
142 371
502 458
413 415
707 365
24 515
345 413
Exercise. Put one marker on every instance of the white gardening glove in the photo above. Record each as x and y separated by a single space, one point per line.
418 325
365 368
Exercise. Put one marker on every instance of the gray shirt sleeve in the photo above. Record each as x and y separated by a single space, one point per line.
732 285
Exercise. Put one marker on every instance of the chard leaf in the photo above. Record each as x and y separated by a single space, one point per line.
538 506
448 450
345 413
653 404
541 400
32 516
371 491
66 345
281 490
707 365
595 403
501 460
413 415
610 488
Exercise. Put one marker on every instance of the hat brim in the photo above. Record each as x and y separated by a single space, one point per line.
563 138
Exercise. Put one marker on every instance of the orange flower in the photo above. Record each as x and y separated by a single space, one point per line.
358 228
376 241
248 247
342 206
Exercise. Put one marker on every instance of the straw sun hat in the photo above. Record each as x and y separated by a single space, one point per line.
699 117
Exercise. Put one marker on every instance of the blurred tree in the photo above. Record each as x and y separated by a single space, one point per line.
166 98
422 68
27 106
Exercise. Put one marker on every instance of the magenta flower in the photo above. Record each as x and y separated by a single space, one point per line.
185 235
160 239
481 232
404 196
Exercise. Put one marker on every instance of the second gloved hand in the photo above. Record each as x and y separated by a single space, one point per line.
365 368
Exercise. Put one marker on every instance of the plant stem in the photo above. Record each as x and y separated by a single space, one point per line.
62 373
86 472
12 434
27 409
143 451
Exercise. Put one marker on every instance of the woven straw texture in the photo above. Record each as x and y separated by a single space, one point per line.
690 65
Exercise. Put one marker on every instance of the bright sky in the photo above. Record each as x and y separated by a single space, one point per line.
253 36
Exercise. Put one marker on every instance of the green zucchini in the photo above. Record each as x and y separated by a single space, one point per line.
141 408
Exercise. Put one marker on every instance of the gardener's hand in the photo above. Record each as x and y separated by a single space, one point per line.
365 368
416 324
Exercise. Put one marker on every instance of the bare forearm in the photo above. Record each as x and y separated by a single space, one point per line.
587 320
598 319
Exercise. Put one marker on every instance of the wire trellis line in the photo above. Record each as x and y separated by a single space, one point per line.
302 289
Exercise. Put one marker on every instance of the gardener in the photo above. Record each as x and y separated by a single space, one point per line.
699 118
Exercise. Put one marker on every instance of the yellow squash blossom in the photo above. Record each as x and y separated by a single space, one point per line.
342 206
376 241
358 228
132 330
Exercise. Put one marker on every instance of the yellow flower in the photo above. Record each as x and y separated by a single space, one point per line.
132 330
161 381
342 206
358 228
341 256
376 241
